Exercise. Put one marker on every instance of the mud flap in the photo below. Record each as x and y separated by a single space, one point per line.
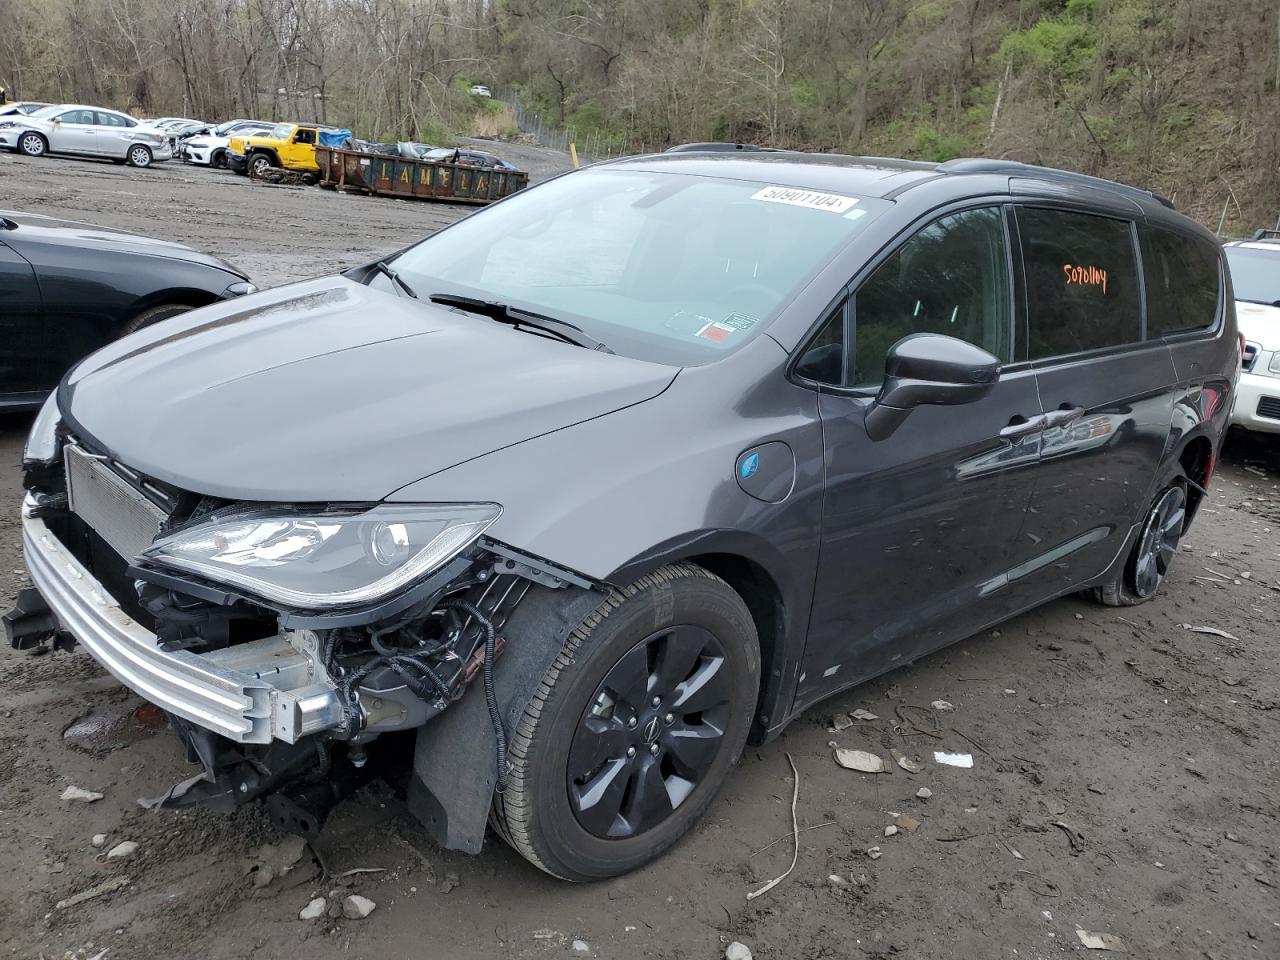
454 764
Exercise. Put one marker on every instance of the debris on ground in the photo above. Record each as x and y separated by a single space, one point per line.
99 840
943 706
1211 631
737 951
873 853
907 823
861 714
924 793
835 880
123 850
890 830
840 722
795 836
1100 941
84 796
449 883
110 885
581 948
905 762
313 910
862 761
1074 835
356 907
953 759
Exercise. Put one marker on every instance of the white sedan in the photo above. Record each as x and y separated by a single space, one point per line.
1255 276
86 131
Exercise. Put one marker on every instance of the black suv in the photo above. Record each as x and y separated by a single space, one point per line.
655 456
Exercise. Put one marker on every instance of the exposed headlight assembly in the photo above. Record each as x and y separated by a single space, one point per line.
42 441
324 559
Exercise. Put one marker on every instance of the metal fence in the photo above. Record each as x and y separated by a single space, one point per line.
591 144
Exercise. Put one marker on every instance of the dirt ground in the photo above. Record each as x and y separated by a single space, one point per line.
1125 779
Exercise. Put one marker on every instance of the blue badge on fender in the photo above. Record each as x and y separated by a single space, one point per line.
750 464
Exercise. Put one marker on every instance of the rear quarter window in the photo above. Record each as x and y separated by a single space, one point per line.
1182 276
1082 282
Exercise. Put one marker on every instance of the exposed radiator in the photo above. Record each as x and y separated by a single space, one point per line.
118 513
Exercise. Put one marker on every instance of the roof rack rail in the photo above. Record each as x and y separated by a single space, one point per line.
1266 234
986 165
718 147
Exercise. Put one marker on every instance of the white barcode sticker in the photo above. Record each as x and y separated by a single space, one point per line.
793 196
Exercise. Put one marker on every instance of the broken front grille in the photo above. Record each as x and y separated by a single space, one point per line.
119 513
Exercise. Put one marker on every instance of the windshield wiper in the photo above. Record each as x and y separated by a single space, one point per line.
385 269
519 317
1263 303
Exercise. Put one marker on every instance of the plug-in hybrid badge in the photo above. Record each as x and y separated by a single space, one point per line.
767 472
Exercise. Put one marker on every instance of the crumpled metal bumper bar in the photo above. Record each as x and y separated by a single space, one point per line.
249 693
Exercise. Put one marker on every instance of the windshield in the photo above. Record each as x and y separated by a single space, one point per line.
280 131
1255 274
46 113
667 267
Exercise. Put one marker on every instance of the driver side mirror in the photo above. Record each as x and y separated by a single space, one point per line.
928 368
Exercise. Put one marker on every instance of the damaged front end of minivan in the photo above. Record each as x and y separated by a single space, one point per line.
299 651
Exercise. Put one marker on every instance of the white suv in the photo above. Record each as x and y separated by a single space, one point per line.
1255 275
210 149
89 131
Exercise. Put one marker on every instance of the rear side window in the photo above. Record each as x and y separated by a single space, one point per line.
950 278
112 120
1082 282
1181 273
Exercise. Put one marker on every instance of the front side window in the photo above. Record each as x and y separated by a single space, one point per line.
669 267
950 278
1082 282
1181 274
77 116
305 136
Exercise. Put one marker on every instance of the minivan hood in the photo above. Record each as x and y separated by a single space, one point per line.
1260 324
331 391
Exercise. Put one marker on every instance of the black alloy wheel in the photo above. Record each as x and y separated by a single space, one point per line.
1159 541
650 733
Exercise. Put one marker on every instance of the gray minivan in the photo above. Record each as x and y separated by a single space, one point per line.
655 455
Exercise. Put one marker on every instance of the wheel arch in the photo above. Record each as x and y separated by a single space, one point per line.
192 297
1197 457
758 574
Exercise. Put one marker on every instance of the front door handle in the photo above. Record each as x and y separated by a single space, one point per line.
1020 427
1063 417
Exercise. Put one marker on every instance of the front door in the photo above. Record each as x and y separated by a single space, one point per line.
24 367
74 132
1107 394
920 529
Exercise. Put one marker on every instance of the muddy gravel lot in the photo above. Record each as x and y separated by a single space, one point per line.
1125 778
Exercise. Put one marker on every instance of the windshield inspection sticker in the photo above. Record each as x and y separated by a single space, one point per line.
718 331
831 202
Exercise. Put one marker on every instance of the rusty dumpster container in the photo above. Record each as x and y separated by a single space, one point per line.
356 172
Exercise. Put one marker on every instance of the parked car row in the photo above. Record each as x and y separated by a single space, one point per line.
79 130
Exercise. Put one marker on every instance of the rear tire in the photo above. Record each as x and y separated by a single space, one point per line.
33 144
139 156
1149 560
634 727
153 315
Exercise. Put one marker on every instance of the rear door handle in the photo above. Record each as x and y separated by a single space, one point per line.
1019 427
1063 417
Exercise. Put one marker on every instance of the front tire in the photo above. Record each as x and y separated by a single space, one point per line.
1148 562
634 728
259 164
219 160
33 144
138 156
153 315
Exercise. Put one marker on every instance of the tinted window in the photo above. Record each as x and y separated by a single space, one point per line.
305 136
951 278
823 360
1082 282
77 116
1255 274
1181 273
